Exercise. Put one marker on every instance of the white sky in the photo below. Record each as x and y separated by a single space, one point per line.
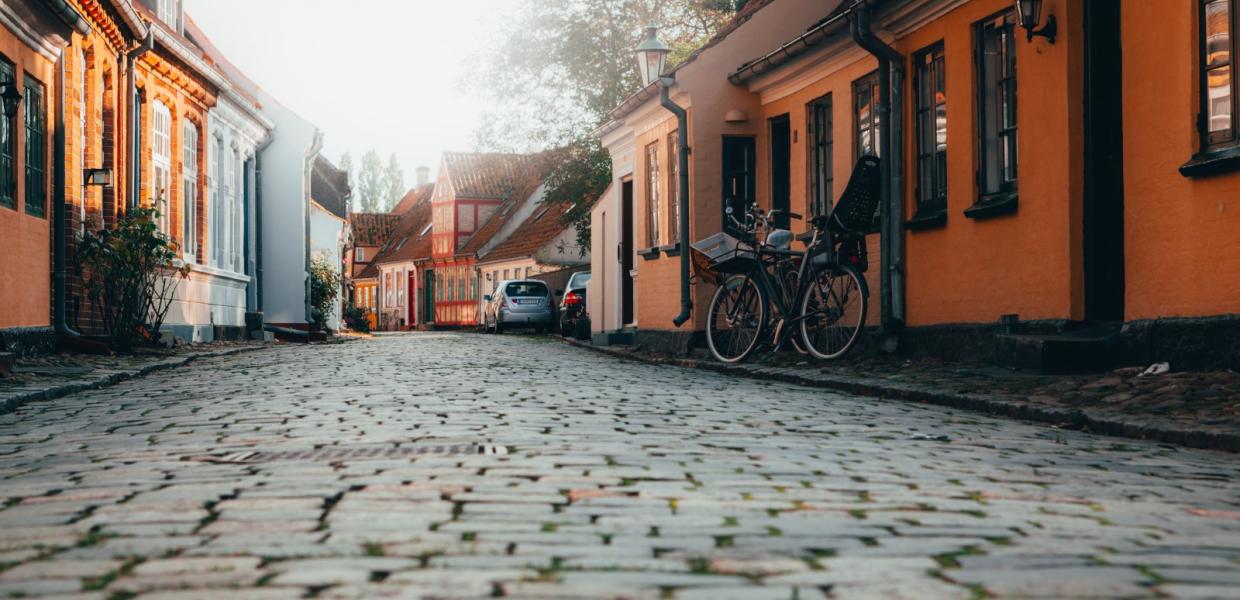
382 74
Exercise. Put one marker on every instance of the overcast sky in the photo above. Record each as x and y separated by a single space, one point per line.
382 74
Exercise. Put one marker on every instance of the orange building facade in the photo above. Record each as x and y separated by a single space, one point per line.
1059 186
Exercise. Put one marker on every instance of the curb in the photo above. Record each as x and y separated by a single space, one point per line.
10 404
1063 419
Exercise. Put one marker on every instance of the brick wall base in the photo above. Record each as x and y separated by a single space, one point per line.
28 341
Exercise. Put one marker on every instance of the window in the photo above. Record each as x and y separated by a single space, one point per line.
673 187
738 176
217 210
161 161
387 289
236 210
166 10
460 287
865 116
996 115
821 171
929 85
8 166
36 149
400 287
652 195
465 218
359 254
1220 97
189 190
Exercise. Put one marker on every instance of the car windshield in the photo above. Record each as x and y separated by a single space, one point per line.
579 280
525 288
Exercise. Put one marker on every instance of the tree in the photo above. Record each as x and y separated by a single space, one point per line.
346 165
370 183
562 65
393 183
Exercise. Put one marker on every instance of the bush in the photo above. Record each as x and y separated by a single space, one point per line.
324 287
582 330
130 274
355 318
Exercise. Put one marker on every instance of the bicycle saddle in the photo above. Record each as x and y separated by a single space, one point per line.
780 239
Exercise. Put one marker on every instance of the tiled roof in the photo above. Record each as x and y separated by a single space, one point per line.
329 187
544 225
412 237
414 195
503 213
372 229
475 175
370 272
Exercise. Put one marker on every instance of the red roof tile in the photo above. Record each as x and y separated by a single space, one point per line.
476 175
544 225
413 196
411 239
372 229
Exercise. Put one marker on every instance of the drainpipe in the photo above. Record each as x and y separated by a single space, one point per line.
256 228
891 190
682 124
135 118
58 209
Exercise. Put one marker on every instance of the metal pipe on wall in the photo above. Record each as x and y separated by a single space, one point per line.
890 102
682 152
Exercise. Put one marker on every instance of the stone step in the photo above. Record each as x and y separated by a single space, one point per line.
1058 354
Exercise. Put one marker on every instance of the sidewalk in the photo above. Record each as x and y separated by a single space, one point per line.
1199 409
57 375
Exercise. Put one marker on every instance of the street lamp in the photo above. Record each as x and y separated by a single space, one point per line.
1030 13
11 98
651 56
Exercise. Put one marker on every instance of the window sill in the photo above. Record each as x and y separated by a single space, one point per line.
1215 162
994 205
649 253
670 249
927 219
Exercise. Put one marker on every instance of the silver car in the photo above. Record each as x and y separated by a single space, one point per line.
519 303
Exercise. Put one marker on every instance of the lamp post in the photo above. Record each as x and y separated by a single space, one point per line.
651 56
1030 14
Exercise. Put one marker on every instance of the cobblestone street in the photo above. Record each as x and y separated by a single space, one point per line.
462 465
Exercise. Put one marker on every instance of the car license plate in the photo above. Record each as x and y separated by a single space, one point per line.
527 301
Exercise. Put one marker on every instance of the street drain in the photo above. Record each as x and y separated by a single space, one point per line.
341 453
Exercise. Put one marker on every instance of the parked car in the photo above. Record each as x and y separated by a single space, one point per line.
519 303
573 305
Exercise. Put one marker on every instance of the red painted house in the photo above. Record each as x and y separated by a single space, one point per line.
469 191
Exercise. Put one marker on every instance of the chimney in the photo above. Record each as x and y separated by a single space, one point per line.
424 175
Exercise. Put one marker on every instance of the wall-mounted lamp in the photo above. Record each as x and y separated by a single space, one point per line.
11 98
98 177
1030 13
735 116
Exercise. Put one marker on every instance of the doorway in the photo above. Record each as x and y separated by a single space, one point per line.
411 312
625 248
781 169
428 297
1103 241
738 180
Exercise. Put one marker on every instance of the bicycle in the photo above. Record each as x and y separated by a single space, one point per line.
765 284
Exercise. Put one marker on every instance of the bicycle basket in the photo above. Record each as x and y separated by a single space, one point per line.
722 253
858 205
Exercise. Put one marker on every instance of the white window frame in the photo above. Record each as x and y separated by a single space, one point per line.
233 190
359 254
166 10
189 191
216 208
161 163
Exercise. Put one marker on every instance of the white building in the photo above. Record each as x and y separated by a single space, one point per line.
329 210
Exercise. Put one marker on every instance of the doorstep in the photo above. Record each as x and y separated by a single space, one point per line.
1188 409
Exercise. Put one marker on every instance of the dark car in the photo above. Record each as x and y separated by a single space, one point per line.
519 303
573 305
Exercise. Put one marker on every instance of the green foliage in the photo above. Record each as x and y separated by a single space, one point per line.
324 287
355 318
129 274
370 183
562 65
393 183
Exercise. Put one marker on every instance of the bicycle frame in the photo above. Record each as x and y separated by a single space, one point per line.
767 259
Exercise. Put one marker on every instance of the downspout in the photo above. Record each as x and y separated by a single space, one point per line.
682 155
58 210
256 228
891 180
135 119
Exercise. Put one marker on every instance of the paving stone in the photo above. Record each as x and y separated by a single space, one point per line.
60 569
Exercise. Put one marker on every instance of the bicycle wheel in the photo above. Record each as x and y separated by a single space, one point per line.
736 319
833 312
791 278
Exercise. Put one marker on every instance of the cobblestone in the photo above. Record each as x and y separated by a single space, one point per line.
619 479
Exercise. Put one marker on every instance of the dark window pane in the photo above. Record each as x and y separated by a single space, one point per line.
1217 33
996 64
1218 99
8 178
36 149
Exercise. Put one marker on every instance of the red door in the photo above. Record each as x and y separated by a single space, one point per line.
411 304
